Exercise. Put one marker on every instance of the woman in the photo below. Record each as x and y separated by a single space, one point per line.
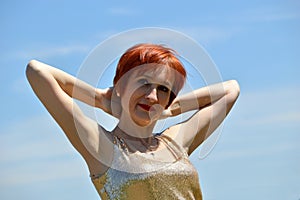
130 162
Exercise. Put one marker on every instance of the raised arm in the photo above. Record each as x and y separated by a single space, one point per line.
55 89
213 104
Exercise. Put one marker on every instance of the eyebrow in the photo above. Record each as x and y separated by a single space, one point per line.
166 83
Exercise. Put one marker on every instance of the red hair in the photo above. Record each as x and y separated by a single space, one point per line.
141 54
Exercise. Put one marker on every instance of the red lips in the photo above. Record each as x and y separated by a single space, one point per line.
145 106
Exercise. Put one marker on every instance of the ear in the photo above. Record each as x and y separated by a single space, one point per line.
117 90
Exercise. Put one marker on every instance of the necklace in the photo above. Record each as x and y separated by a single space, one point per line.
123 139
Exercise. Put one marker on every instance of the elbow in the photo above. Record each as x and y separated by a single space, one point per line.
236 87
32 68
233 88
32 65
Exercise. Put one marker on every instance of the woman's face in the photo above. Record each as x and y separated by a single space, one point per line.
147 93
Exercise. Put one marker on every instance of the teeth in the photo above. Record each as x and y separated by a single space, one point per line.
146 107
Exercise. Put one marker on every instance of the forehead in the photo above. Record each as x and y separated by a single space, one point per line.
157 73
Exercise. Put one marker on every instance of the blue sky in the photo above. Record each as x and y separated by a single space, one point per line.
256 42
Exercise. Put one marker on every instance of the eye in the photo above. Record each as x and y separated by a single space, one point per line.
143 82
163 88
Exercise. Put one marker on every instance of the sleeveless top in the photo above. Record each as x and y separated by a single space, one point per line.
136 176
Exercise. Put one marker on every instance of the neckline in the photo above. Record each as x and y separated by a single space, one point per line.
132 144
118 154
166 147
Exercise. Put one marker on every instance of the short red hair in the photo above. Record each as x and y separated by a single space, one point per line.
141 54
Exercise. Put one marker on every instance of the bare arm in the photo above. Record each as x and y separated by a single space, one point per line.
54 88
76 88
213 104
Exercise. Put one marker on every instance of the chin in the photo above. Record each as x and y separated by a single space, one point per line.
144 119
144 123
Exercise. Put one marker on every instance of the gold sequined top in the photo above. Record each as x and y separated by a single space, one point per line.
136 176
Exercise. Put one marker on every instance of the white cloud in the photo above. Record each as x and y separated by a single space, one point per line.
269 150
36 137
292 117
278 17
35 150
52 51
263 123
20 85
269 14
121 11
209 35
204 35
28 173
269 107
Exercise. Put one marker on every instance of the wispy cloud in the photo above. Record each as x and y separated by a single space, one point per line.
36 150
269 14
20 86
122 11
292 117
52 51
269 107
209 35
21 141
264 118
259 142
28 173
270 149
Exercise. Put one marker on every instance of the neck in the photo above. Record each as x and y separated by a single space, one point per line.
132 129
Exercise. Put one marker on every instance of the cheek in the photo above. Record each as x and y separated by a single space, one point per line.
164 98
132 96
139 92
127 97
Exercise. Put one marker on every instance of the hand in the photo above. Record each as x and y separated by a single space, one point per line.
108 101
166 113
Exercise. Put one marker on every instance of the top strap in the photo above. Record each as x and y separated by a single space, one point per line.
173 146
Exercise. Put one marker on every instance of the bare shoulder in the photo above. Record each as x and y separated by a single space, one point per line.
99 161
175 133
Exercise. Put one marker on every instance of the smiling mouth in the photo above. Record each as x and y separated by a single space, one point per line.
145 107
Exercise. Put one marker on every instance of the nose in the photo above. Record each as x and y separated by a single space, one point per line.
152 95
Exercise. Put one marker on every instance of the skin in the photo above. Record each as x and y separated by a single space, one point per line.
56 90
144 100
